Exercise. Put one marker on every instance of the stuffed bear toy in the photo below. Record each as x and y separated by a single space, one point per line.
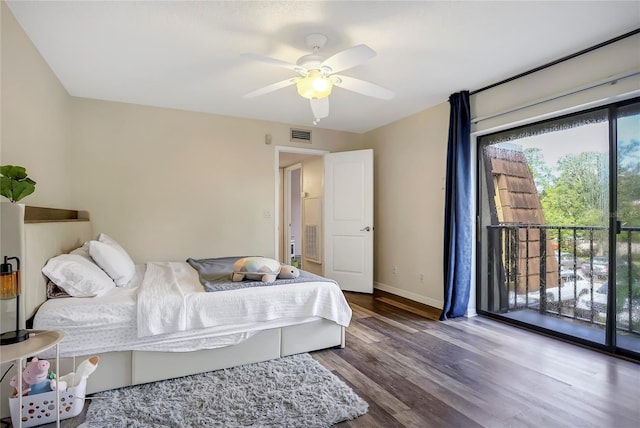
36 375
262 269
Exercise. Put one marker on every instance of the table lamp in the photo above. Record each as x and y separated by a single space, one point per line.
10 289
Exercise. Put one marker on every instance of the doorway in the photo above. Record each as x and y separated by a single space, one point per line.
291 191
292 215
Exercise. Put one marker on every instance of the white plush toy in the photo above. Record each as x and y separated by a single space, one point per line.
262 269
84 369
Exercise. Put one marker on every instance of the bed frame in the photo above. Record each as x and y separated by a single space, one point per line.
37 234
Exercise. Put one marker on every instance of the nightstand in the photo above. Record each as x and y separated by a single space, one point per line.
39 341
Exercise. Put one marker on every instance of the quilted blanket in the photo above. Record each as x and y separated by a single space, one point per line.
215 275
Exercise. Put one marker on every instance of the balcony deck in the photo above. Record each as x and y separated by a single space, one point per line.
573 301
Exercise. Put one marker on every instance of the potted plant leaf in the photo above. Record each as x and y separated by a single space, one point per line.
14 183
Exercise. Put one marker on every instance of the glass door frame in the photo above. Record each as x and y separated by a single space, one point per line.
610 329
610 342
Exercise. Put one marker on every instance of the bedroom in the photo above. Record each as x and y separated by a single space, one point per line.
73 145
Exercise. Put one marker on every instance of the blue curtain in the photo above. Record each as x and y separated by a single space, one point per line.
458 221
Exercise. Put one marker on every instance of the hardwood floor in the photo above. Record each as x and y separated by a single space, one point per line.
415 371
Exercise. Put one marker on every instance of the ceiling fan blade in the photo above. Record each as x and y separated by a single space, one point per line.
320 107
274 61
271 88
363 87
348 58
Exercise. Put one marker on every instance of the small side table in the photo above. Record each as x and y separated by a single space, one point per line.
39 341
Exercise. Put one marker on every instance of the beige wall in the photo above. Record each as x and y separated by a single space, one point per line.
34 112
34 133
409 165
171 184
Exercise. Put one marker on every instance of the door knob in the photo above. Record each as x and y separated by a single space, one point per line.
366 229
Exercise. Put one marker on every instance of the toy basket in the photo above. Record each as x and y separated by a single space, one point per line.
41 408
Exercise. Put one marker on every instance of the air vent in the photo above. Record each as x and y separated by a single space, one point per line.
312 243
300 136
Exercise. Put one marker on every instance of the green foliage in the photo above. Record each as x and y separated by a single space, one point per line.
14 183
623 273
580 193
629 183
541 172
576 193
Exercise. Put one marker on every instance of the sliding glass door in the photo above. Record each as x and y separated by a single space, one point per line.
626 305
559 225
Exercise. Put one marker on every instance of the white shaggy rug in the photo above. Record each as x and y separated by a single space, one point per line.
289 392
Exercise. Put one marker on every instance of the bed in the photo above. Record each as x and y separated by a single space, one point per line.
315 318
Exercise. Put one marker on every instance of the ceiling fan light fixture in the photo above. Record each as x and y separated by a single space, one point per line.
315 85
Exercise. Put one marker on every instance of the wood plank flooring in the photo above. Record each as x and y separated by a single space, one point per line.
415 371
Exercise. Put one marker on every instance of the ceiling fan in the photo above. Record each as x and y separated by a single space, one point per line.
317 75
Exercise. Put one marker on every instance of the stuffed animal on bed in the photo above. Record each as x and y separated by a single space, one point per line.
262 269
288 272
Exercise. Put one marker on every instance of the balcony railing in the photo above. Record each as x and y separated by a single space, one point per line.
563 271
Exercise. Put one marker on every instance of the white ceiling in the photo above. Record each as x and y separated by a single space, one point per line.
187 55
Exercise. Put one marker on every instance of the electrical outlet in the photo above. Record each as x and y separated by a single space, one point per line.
422 278
394 269
266 213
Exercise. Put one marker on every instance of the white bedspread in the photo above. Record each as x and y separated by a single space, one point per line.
162 307
171 300
191 318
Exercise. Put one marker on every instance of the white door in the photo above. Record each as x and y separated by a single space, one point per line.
348 219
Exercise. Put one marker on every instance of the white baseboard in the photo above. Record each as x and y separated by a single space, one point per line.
409 295
470 313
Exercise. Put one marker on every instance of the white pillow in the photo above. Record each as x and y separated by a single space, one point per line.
78 276
113 259
83 251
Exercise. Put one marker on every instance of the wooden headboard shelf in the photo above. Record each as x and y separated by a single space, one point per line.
34 235
48 215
